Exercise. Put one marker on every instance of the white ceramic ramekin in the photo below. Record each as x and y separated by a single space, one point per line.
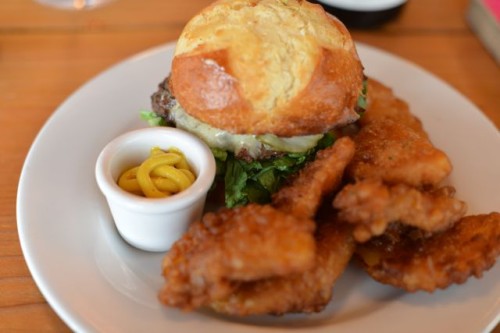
154 224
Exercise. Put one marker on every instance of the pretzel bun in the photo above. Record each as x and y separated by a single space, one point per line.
283 67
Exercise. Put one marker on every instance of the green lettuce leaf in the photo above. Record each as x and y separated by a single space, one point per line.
152 118
256 181
235 181
362 98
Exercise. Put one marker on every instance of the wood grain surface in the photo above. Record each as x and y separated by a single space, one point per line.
46 54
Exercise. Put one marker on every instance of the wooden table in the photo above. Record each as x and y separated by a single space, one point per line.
45 54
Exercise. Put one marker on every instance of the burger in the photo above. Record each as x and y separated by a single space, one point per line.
264 83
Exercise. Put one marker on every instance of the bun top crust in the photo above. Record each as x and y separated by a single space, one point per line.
267 66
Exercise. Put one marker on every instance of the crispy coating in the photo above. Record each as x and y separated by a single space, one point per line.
271 259
383 104
253 242
393 146
371 206
391 151
408 259
309 291
241 244
302 196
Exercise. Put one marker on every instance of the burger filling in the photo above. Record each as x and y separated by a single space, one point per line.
252 166
245 146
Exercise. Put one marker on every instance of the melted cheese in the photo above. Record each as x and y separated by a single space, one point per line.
253 144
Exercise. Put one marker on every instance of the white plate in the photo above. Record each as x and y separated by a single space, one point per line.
97 283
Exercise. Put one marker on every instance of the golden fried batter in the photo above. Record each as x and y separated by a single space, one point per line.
371 206
405 258
392 144
240 244
303 292
395 153
383 104
320 177
271 259
254 242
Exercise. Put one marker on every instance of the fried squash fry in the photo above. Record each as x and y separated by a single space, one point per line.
395 153
303 195
371 206
409 259
255 242
393 215
383 104
307 292
393 146
240 244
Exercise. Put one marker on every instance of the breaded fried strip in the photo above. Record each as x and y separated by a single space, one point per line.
392 144
303 292
383 104
252 242
371 206
302 196
395 153
241 244
406 259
